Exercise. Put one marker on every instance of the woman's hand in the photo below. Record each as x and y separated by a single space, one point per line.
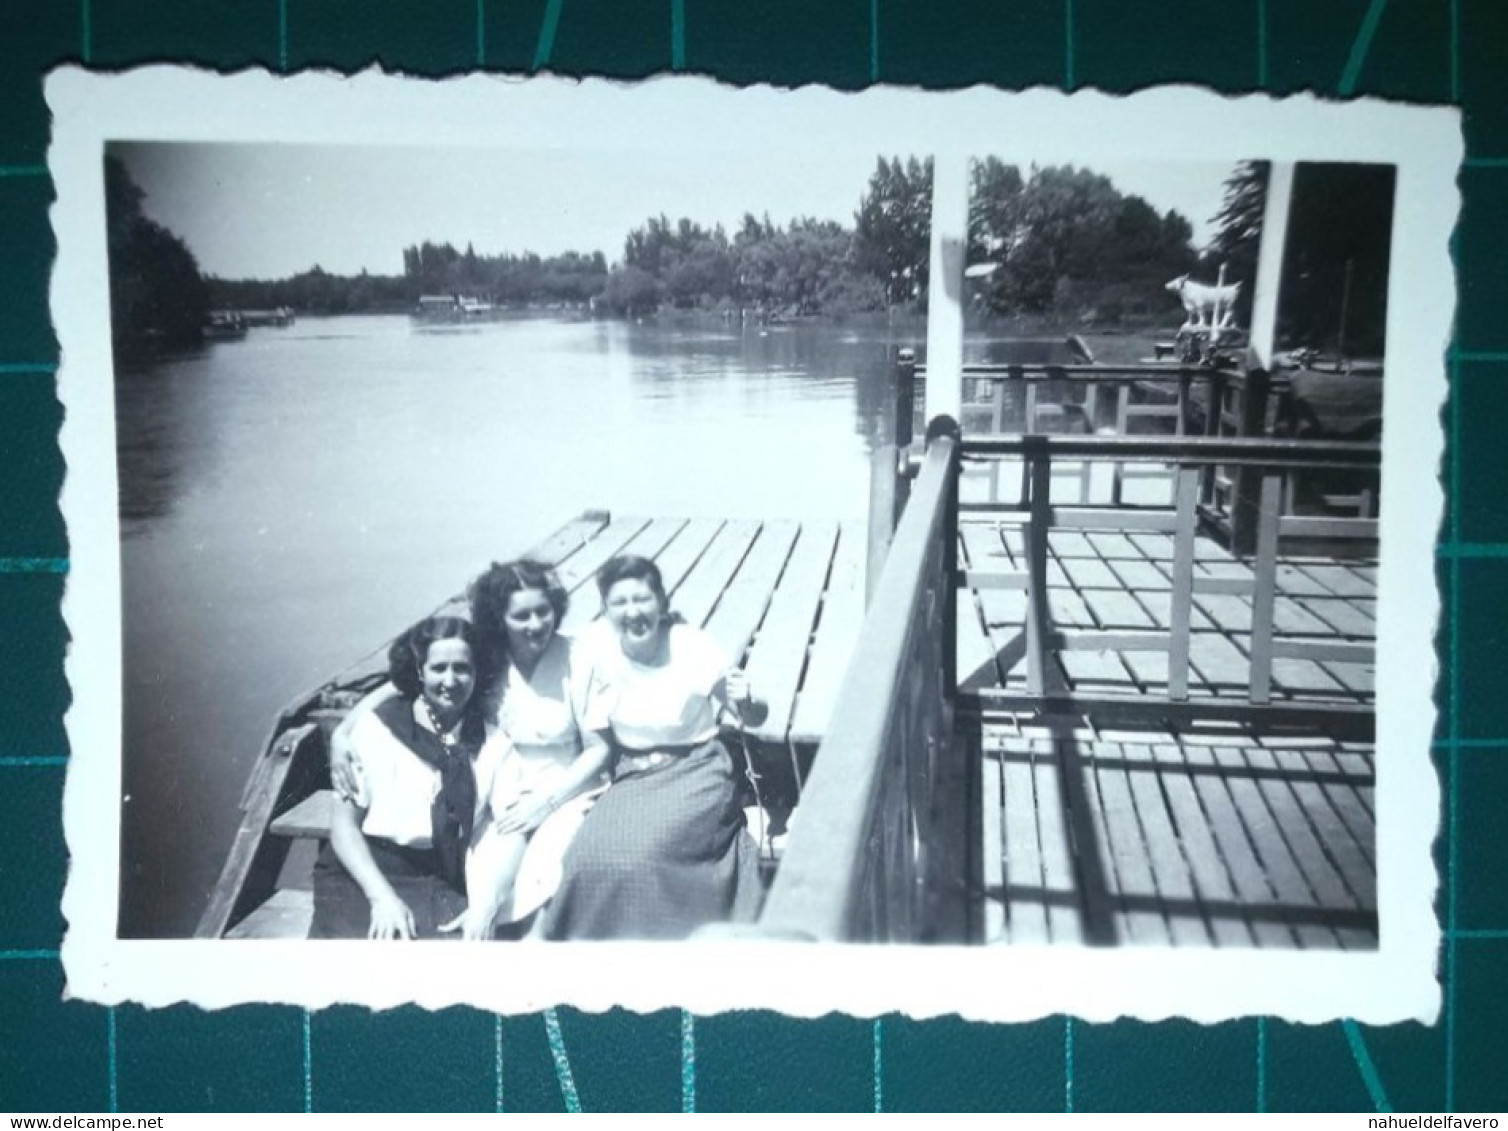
391 918
475 924
525 815
345 768
737 689
735 694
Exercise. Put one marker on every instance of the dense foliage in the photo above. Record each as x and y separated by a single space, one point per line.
156 292
1335 266
1065 241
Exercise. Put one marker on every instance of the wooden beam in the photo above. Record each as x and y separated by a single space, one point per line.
1331 652
950 222
1309 526
1038 615
1264 595
1265 296
251 869
994 579
998 705
1096 641
1183 584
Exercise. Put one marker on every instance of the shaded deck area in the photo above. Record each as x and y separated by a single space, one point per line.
1184 839
1196 833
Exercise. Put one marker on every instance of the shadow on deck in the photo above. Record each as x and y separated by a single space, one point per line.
1191 834
1147 838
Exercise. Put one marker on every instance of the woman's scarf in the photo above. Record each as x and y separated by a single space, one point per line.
452 814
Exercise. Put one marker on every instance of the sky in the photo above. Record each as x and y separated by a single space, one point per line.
270 211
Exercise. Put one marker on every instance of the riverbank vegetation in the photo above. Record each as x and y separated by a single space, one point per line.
1049 246
157 295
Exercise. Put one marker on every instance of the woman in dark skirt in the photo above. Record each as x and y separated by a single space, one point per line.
665 849
395 864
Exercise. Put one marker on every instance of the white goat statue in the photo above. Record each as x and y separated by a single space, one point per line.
1207 307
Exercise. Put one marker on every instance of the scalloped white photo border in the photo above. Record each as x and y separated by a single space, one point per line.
663 115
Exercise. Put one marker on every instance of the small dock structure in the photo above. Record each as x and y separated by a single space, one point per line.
1115 682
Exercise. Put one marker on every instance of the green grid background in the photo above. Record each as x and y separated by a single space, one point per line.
63 1056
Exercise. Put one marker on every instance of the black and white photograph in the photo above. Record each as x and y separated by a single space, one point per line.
1168 631
405 376
930 553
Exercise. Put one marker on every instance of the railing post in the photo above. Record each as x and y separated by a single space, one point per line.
1245 502
883 485
905 429
889 487
1038 619
904 390
1263 338
1122 428
1265 587
1182 598
944 428
1214 407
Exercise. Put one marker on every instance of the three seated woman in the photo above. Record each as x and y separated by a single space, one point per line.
601 781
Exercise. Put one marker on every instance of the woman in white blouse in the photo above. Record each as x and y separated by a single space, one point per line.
664 850
395 865
544 767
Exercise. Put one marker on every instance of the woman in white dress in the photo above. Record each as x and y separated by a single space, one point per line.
549 767
665 849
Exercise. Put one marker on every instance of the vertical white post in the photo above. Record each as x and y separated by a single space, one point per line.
950 224
1264 299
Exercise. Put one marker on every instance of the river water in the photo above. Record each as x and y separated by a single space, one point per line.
292 500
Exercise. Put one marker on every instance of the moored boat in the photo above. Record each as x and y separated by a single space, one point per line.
225 326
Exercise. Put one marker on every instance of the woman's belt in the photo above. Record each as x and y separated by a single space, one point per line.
637 761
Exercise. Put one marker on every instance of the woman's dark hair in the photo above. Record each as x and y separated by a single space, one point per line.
491 592
631 567
405 659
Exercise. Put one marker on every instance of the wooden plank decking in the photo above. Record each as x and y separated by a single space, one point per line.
1204 836
1121 583
784 598
1190 840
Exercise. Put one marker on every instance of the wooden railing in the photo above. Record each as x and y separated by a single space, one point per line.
1152 399
881 833
1270 461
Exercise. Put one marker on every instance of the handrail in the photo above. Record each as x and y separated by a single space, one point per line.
1234 450
1057 371
1267 462
851 868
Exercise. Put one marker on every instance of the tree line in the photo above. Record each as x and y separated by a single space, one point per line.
1057 243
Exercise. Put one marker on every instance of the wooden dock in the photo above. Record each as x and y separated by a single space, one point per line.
785 598
1192 835
1183 839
